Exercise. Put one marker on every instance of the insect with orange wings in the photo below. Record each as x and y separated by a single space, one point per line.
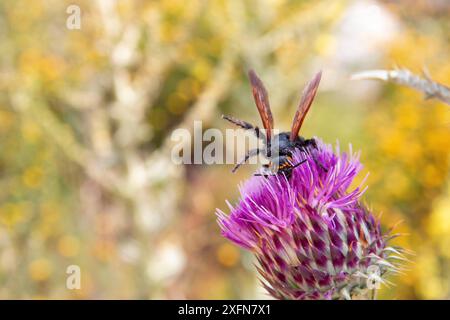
278 148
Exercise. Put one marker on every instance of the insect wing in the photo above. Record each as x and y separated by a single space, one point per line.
305 103
262 103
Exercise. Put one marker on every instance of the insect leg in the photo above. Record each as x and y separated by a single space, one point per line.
263 175
297 164
266 173
248 155
312 142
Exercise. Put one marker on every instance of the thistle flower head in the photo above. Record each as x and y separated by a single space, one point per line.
311 235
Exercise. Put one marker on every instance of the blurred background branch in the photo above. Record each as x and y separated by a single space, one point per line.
430 88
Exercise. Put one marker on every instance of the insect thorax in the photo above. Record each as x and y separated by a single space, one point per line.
282 145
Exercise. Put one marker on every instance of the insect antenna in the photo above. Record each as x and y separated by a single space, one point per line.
244 125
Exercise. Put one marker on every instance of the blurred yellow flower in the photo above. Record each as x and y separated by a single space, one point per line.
201 70
427 269
6 120
431 176
397 185
31 131
189 87
324 44
32 177
103 250
439 220
227 255
177 103
68 246
48 223
35 63
40 269
12 214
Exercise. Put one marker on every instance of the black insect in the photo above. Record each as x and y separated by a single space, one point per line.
279 148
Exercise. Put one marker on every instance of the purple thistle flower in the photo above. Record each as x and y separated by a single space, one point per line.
312 237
